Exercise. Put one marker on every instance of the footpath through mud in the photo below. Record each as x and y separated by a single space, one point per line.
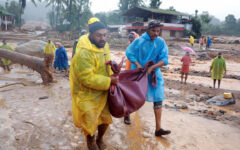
33 116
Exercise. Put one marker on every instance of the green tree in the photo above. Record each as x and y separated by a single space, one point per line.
196 27
171 8
14 8
125 5
230 21
205 18
155 3
22 4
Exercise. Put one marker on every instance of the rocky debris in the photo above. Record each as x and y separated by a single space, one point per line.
34 25
203 56
221 101
184 106
33 48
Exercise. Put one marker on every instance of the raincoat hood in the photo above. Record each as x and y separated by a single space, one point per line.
85 43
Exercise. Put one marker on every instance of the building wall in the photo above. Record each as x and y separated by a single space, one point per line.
179 34
165 33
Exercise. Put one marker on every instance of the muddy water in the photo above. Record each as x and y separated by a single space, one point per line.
27 122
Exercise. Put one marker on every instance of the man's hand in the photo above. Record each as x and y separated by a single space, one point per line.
114 80
150 69
138 65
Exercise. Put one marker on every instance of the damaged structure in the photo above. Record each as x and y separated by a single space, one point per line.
7 20
174 22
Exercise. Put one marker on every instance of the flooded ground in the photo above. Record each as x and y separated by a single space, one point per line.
34 116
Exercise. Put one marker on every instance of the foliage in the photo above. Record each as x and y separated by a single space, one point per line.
15 8
171 8
196 27
231 26
111 17
155 3
125 5
73 12
205 18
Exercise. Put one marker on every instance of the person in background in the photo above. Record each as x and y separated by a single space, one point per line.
6 63
191 40
90 80
150 47
201 42
217 69
131 37
49 52
83 32
209 43
186 60
61 58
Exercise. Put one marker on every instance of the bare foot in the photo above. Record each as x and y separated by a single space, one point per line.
91 143
101 144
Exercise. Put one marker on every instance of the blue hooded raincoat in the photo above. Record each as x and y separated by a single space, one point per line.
61 58
145 49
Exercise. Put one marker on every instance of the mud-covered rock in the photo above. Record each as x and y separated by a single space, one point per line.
221 101
203 56
33 48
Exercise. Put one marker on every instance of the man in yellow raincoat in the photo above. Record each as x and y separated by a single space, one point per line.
90 80
90 21
191 40
49 52
217 68
6 63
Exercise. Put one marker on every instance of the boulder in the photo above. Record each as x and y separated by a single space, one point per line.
221 101
203 56
33 48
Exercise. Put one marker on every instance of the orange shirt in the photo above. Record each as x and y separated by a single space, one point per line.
186 60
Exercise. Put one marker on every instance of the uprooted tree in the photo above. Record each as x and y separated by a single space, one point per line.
31 62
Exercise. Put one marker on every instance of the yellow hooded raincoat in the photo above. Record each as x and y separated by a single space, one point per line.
6 62
90 81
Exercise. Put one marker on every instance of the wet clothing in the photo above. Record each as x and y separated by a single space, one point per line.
209 42
61 58
79 42
191 40
186 60
144 49
74 47
49 48
6 62
128 63
90 81
47 63
218 67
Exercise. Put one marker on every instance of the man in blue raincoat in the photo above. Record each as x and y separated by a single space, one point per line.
150 47
61 58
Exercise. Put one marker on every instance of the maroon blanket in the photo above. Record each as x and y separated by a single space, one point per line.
131 91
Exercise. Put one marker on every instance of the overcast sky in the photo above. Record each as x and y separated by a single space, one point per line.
218 8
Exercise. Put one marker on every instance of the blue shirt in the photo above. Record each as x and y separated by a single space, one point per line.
144 49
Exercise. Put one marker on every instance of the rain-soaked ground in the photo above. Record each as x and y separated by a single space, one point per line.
33 116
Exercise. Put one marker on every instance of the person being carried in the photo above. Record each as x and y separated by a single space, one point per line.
150 47
90 80
186 60
217 69
6 63
61 58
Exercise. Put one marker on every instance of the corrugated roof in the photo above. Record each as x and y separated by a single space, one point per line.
3 12
157 11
